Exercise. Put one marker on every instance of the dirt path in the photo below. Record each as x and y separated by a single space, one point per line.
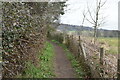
63 68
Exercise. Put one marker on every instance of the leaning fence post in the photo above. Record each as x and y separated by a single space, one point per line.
101 55
82 48
79 50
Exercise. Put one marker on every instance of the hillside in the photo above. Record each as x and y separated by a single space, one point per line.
88 30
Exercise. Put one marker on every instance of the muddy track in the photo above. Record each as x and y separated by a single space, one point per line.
62 65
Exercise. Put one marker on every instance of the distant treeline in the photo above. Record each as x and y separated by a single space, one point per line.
107 33
87 31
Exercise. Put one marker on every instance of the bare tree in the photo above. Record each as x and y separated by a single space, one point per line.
95 18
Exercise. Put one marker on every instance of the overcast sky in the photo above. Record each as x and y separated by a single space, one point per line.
75 8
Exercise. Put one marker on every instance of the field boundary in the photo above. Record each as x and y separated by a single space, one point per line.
93 55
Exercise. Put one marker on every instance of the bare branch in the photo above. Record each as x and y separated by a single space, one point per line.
90 21
101 22
103 3
84 16
90 14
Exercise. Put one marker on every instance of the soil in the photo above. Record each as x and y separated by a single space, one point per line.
62 65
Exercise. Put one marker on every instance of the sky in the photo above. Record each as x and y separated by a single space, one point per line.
74 10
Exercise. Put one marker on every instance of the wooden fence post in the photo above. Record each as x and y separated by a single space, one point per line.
68 41
79 50
72 38
71 43
64 39
79 40
101 55
82 48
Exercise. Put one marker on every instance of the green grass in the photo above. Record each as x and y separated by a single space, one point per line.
111 41
75 64
112 44
45 68
55 41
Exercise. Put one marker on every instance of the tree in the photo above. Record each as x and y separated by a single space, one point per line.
95 19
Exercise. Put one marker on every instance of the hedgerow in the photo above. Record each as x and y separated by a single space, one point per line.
24 30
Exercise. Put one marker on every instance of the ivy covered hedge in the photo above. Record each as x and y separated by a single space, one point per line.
24 29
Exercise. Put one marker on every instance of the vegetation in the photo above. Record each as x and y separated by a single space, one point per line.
74 62
24 30
92 57
44 69
110 43
94 17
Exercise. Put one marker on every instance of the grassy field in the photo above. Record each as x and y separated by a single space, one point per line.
45 68
110 43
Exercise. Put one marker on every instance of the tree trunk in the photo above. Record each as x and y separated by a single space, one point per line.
95 31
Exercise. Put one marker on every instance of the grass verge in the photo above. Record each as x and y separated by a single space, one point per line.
75 64
45 65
